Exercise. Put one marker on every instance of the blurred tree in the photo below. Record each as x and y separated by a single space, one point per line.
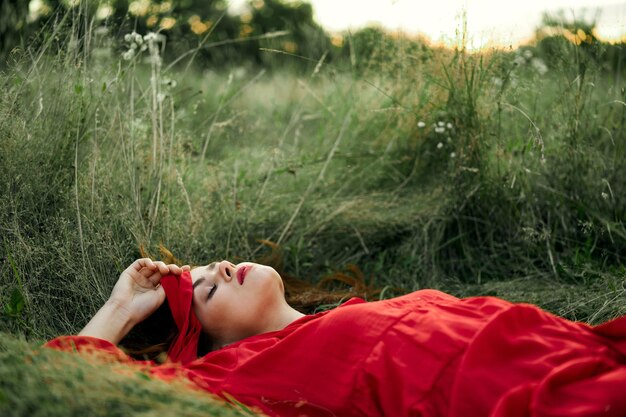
185 23
374 49
558 36
306 37
13 24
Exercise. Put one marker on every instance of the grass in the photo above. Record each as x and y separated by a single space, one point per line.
519 194
43 382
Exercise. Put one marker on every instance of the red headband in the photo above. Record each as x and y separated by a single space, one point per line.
179 294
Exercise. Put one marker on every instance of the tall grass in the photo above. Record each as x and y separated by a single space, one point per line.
473 173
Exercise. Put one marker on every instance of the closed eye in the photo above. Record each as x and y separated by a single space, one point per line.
212 291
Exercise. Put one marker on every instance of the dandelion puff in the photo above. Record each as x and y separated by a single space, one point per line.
128 37
421 124
439 145
137 38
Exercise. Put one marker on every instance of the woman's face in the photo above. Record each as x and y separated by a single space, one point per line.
233 302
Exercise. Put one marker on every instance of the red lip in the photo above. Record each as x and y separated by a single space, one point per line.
242 272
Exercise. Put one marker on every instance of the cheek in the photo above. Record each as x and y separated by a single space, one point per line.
199 312
267 293
205 312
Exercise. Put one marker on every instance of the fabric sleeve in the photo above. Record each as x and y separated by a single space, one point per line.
90 345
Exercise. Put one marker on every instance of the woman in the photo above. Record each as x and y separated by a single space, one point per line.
423 354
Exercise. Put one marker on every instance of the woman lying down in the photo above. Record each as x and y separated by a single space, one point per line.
422 354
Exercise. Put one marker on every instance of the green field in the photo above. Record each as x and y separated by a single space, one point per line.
500 173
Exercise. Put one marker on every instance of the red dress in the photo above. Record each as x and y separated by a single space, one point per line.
423 354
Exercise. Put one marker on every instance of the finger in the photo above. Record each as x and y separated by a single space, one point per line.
139 264
162 268
139 268
186 268
175 269
155 279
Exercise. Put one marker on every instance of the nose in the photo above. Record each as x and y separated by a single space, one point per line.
226 270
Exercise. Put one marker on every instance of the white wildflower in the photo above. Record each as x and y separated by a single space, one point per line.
439 145
439 129
605 195
528 54
449 125
128 37
453 155
519 60
421 124
128 55
137 38
150 37
239 73
440 124
169 82
539 66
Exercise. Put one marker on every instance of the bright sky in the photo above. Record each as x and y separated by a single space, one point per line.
489 22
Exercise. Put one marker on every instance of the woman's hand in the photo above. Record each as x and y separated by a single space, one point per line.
138 290
136 295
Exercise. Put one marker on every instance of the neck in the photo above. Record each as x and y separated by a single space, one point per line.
287 316
284 316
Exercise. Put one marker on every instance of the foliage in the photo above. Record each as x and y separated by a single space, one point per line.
36 381
187 25
493 173
13 24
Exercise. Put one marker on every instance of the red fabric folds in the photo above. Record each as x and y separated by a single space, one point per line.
425 354
179 294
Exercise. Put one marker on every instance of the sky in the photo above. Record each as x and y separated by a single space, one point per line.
489 22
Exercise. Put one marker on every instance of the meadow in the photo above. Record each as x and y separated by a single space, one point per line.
492 173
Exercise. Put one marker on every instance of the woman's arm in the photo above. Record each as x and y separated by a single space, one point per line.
136 295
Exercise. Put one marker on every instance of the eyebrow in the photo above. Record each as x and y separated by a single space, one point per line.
198 281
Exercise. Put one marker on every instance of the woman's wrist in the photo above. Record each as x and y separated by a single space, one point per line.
112 322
